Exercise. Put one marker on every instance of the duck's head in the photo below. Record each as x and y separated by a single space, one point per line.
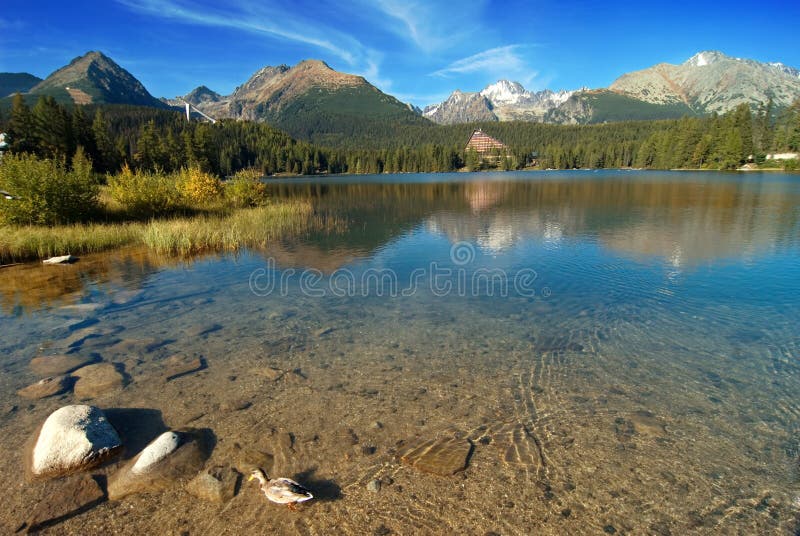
259 474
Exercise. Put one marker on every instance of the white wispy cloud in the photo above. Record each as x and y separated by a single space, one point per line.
504 62
431 26
255 18
372 72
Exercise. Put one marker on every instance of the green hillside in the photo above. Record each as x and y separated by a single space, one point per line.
322 114
608 106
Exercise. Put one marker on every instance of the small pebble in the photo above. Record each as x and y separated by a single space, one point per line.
374 485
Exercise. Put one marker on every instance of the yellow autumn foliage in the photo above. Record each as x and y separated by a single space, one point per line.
199 187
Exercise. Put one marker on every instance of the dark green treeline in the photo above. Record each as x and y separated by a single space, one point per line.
148 138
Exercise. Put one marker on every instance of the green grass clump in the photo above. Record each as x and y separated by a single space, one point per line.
243 228
21 243
253 228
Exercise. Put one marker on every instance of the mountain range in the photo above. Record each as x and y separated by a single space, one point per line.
707 82
311 98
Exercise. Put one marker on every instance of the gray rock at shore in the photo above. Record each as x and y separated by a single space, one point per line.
97 380
54 365
63 259
172 456
72 439
217 484
54 385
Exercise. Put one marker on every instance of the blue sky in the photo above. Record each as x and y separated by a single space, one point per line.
416 51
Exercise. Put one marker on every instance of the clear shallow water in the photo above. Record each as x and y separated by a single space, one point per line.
621 348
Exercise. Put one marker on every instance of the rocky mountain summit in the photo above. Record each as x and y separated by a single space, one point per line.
310 85
710 82
202 95
461 107
95 78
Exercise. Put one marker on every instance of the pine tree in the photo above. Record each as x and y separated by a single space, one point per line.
52 127
107 156
20 127
471 160
82 132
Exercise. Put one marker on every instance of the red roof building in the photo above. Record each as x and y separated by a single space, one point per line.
483 143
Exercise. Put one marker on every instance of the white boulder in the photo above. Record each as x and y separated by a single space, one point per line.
171 457
73 438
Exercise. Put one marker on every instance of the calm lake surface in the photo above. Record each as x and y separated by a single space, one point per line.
620 349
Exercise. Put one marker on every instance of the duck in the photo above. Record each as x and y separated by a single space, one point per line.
281 490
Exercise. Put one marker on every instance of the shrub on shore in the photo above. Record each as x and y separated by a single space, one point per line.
245 189
198 187
45 191
145 193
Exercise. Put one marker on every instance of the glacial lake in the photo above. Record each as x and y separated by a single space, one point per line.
618 350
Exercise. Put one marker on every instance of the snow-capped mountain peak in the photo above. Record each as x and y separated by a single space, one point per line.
791 71
706 57
505 92
504 100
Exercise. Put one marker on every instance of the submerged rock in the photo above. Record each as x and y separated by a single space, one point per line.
177 366
96 380
202 330
93 335
444 456
54 385
65 498
647 424
217 484
54 365
71 439
323 331
80 308
250 458
123 297
238 404
171 456
270 373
